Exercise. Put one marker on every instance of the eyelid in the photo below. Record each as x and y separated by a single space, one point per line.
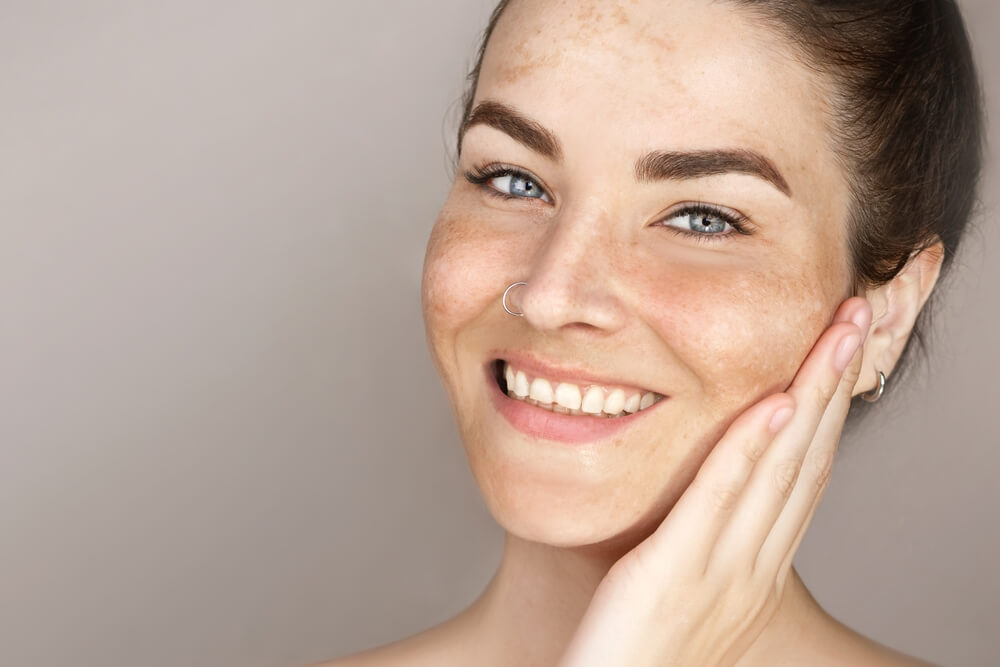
481 174
740 223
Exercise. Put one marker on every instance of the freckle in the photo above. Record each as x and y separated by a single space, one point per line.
511 74
587 12
662 43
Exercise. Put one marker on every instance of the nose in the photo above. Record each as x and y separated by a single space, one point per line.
573 281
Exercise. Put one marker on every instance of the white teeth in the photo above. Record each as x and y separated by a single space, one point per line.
521 384
615 402
568 396
593 401
567 399
541 390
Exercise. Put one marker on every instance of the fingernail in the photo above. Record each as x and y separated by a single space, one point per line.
846 351
780 418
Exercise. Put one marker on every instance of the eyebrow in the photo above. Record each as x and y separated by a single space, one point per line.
518 126
660 165
654 166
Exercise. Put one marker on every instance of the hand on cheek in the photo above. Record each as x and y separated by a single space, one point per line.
703 586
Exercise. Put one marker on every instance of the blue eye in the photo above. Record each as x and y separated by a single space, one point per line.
706 223
517 186
508 182
700 221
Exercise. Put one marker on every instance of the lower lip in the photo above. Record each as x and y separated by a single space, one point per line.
541 423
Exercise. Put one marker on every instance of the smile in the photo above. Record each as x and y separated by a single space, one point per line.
568 398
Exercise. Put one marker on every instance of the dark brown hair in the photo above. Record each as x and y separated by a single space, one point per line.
907 123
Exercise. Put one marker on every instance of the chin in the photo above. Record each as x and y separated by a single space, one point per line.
570 506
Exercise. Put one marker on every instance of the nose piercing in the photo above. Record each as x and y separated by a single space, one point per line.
877 392
503 301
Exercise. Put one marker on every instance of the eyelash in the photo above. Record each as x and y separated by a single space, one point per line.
481 174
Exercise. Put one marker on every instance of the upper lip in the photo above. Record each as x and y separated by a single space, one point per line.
536 367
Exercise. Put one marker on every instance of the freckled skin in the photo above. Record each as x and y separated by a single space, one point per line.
716 327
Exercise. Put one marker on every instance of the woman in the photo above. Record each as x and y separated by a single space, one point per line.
685 239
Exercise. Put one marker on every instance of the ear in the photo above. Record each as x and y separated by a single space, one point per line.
895 307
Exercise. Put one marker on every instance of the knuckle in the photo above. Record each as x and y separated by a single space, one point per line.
821 395
850 376
753 449
821 466
724 499
785 474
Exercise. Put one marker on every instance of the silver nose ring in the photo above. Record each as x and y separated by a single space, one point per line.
503 301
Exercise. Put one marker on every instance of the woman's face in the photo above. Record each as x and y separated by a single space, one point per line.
628 114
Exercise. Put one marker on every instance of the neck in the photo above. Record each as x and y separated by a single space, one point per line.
535 601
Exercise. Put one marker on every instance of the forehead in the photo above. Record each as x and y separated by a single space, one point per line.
627 76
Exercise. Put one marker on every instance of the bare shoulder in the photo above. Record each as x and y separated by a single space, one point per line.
873 654
440 646
846 646
884 656
397 654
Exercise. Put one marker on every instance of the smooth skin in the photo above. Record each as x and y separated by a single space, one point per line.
701 589
672 540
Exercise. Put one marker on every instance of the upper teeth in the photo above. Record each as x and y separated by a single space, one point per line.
569 398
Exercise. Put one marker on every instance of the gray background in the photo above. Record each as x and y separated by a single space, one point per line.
222 439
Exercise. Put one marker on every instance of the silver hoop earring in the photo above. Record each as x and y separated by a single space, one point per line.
877 392
503 301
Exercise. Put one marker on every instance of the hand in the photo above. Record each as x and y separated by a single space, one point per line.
703 586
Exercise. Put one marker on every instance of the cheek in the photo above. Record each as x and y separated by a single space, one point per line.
442 274
443 298
741 335
463 268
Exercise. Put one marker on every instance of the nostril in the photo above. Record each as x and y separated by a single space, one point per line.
584 326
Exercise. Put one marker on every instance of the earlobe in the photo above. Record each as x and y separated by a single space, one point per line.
895 307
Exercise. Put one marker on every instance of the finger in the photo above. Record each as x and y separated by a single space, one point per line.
774 477
777 545
791 527
705 507
780 545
